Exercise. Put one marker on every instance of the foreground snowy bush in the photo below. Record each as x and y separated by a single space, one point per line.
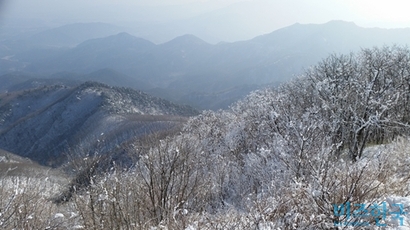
174 200
25 204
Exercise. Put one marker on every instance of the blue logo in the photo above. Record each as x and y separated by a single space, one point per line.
349 214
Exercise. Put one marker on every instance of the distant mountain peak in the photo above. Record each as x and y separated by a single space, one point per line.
121 39
124 34
187 39
298 32
125 37
339 22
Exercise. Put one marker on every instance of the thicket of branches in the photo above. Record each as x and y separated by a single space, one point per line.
280 158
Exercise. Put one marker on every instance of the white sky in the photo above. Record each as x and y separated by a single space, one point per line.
272 14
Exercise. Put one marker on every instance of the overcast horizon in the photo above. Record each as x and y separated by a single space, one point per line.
211 20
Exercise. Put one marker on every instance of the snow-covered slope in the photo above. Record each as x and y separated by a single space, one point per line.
45 124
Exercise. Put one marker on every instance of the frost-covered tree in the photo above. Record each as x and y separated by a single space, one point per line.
364 97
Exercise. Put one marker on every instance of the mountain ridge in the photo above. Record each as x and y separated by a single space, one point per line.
47 123
188 64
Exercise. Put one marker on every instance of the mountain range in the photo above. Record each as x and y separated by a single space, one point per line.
51 105
191 71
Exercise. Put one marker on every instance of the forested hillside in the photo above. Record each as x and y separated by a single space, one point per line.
281 158
47 123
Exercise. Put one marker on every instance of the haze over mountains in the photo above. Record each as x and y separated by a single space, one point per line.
157 21
47 108
186 69
203 119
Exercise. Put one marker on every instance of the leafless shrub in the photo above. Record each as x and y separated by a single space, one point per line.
310 203
166 183
25 204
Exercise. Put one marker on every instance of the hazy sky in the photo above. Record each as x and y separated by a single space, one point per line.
267 15
106 10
